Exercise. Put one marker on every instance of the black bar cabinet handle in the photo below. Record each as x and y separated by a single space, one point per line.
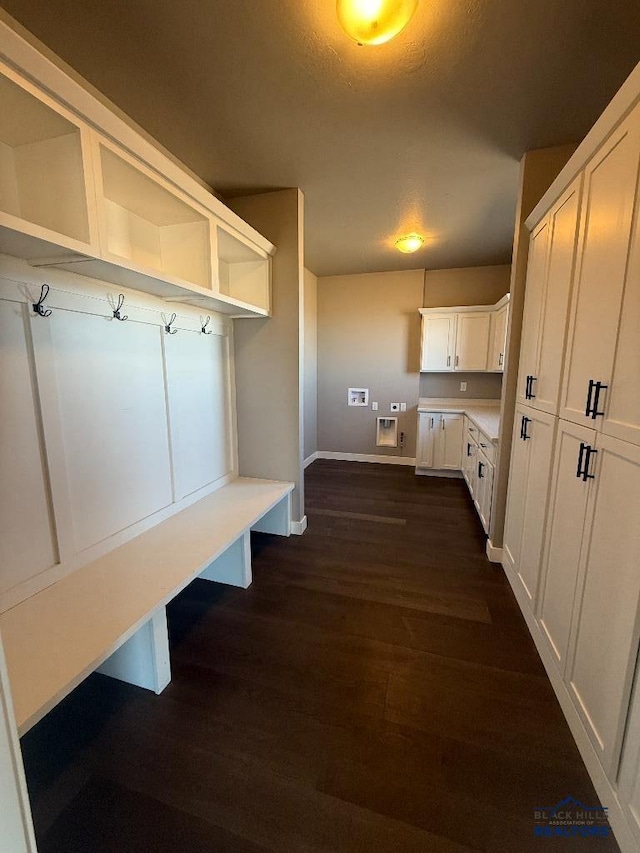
480 467
532 379
587 410
599 386
583 447
585 471
525 422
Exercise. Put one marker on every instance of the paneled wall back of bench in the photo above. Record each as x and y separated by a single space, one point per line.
106 427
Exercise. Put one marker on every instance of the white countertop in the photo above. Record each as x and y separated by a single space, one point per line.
484 413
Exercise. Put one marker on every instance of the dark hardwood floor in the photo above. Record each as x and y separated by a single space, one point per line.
375 689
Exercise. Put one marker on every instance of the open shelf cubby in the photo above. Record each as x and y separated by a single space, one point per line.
42 176
243 274
148 225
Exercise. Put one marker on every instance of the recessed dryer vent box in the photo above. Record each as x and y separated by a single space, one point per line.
386 432
358 397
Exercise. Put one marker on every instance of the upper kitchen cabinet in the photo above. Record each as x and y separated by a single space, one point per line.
45 177
610 188
549 278
499 324
464 338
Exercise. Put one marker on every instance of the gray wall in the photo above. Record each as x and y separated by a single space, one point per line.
368 336
310 363
480 386
268 353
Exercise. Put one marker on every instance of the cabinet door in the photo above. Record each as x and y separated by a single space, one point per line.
499 339
565 528
468 457
438 336
609 195
448 449
535 442
533 303
485 490
427 428
472 340
545 385
605 636
629 779
517 491
622 418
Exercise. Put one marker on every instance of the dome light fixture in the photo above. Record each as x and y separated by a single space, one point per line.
375 21
409 243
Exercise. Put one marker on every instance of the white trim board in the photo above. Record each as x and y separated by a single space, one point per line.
311 458
366 457
299 527
493 554
604 788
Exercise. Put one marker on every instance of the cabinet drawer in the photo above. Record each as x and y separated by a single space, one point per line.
487 447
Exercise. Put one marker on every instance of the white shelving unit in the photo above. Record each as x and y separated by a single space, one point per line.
44 176
243 274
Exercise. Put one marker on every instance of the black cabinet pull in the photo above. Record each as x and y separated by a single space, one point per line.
468 448
583 447
587 410
480 467
527 390
585 471
532 379
525 422
599 386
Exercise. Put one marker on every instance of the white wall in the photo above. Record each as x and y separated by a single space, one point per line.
310 363
269 353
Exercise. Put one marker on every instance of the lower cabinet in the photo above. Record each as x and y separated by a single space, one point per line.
439 441
531 458
483 498
629 777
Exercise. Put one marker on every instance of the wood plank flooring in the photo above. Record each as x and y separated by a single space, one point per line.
375 689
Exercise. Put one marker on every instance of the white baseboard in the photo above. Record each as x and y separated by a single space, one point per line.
494 554
439 472
310 459
604 788
299 527
366 457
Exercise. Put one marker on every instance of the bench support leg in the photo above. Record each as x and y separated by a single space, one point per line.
143 659
233 566
277 520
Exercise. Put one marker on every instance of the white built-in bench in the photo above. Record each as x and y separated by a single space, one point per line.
110 615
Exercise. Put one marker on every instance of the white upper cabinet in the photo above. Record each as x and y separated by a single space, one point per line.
45 177
603 250
472 341
438 342
549 279
243 273
464 338
499 322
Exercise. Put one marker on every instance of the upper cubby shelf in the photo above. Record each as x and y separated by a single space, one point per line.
72 199
44 174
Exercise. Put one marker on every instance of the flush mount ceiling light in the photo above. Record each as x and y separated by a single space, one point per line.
409 243
375 21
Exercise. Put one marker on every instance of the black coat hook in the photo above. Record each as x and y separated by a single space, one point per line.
116 311
204 326
168 328
38 306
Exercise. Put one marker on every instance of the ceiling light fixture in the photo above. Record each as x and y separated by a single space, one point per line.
409 243
375 21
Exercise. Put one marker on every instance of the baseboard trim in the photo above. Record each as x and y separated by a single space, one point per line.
439 472
299 527
310 459
366 457
604 788
493 554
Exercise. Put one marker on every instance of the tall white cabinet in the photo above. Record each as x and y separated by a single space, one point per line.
572 537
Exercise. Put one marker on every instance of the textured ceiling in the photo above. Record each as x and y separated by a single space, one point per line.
422 133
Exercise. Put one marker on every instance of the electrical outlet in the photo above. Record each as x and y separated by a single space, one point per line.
463 386
394 407
403 407
374 407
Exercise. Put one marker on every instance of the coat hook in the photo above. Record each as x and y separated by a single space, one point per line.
38 306
205 324
168 325
116 311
